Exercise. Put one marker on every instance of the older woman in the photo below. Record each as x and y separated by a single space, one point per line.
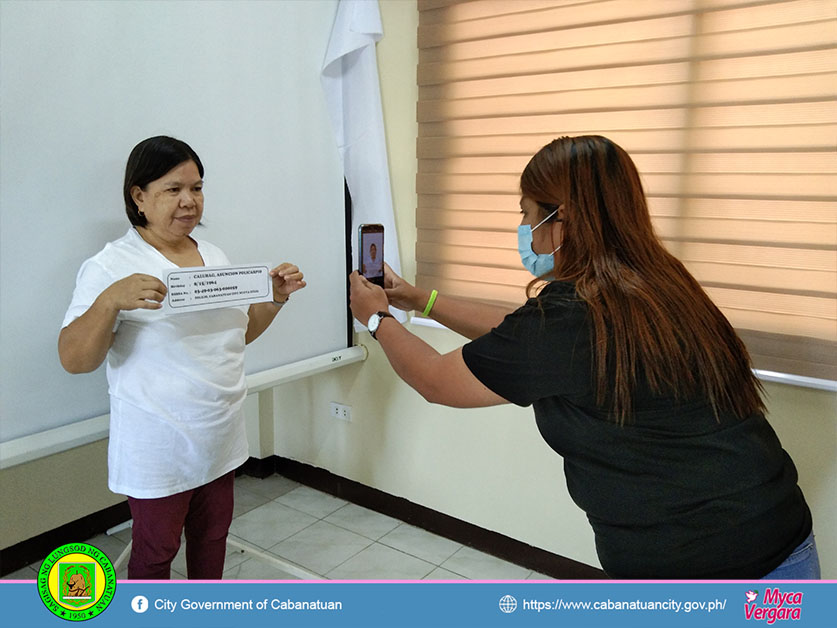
176 381
636 379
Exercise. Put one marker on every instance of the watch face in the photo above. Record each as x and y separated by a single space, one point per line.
373 323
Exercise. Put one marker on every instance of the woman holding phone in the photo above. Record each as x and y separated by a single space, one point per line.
636 378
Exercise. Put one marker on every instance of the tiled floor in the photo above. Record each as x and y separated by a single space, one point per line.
295 532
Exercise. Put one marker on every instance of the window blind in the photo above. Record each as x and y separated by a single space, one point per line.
727 107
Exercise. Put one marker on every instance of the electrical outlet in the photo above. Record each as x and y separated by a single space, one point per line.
340 411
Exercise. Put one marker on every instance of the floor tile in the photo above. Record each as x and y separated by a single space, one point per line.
443 574
256 569
271 487
311 501
123 535
476 565
246 500
267 525
368 523
320 535
321 547
284 564
379 562
421 543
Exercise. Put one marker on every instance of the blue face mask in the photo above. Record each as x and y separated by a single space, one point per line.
539 264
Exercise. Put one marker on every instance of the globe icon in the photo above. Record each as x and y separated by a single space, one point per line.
508 604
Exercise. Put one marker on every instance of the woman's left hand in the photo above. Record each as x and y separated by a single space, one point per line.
365 298
287 278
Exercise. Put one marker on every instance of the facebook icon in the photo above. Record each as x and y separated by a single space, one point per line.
139 604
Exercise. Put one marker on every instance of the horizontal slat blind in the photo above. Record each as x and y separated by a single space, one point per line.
727 106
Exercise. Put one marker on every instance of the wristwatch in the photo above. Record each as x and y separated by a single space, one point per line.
375 320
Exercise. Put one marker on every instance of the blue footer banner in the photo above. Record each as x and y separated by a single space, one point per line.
78 593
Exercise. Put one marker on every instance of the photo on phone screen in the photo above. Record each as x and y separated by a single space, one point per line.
371 254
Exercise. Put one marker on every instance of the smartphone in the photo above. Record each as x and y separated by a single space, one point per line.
371 253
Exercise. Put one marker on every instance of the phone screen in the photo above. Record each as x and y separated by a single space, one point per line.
372 253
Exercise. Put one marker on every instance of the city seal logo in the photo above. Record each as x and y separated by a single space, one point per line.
76 582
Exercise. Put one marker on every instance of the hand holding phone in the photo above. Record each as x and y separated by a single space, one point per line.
371 252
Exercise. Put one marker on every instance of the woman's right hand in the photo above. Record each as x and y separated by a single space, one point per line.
402 294
137 291
84 343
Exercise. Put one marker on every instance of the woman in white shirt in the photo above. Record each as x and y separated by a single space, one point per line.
176 381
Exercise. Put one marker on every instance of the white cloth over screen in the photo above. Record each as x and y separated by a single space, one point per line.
353 96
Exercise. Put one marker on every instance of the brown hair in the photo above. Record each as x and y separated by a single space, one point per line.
650 318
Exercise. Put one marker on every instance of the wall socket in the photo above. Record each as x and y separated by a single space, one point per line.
340 411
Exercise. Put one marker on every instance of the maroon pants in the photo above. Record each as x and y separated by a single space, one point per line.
205 513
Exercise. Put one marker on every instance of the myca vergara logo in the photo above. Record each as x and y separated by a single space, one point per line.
774 606
76 582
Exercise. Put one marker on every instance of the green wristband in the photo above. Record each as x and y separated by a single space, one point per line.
430 303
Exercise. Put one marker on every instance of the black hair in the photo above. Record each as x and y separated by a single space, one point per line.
150 160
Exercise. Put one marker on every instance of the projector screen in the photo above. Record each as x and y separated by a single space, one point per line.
84 82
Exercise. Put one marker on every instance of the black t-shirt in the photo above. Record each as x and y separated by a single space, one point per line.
673 493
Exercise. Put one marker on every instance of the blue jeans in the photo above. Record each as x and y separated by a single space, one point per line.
802 564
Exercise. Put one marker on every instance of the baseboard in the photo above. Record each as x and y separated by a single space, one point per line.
37 548
552 565
258 467
493 543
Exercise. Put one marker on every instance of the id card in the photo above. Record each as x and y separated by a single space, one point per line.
212 287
